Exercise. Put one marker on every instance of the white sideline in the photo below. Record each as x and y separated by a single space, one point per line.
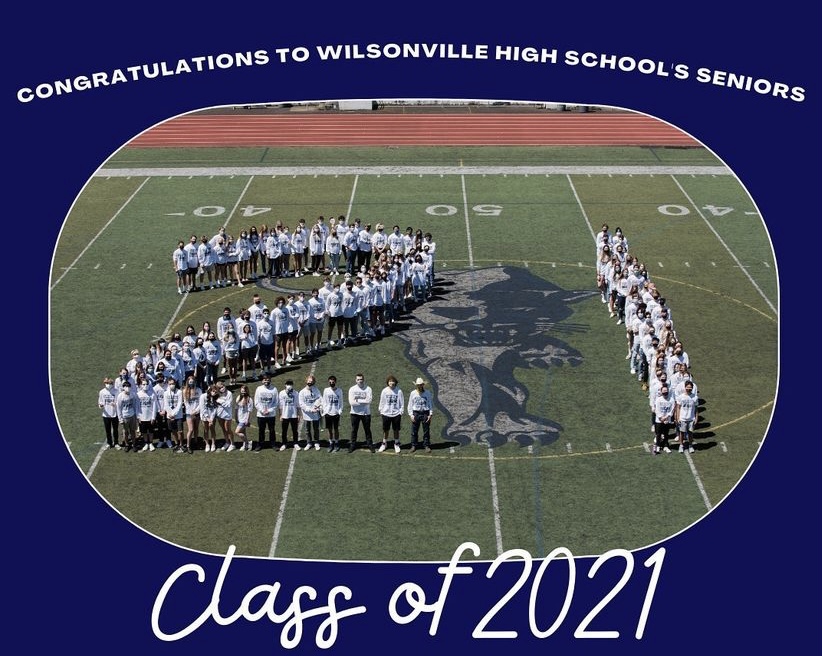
199 171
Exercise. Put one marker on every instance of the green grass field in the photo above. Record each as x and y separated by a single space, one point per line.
593 488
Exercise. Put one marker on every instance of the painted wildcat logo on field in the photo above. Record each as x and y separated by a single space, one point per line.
470 338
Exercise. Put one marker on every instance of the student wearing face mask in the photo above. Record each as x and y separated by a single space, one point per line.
266 402
126 404
174 409
244 404
146 412
107 401
191 401
331 408
289 405
310 401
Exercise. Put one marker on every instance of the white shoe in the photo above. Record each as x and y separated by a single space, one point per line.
612 314
283 447
681 449
666 450
151 447
316 446
382 447
145 447
277 365
619 322
690 449
331 342
239 284
231 447
633 371
296 447
396 448
222 371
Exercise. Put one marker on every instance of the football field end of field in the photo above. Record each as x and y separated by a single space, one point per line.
541 436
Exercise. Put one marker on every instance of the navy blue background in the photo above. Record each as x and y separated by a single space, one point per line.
78 575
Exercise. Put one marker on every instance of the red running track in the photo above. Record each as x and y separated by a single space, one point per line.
555 129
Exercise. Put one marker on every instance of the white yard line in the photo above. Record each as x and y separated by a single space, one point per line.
276 538
237 204
108 223
467 224
495 499
582 209
698 480
96 460
721 241
351 201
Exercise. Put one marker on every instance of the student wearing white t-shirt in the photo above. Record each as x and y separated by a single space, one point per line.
208 417
179 262
310 401
359 402
331 408
391 407
289 415
107 402
244 404
266 403
686 417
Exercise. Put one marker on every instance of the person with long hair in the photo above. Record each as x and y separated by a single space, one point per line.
244 404
225 413
191 403
209 402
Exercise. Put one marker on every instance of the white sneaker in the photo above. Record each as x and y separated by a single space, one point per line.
619 321
331 342
681 449
283 447
382 447
222 371
145 447
612 314
633 371
151 447
396 448
690 449
296 447
231 447
666 450
316 446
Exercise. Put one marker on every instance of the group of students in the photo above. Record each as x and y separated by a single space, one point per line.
165 415
655 351
279 251
182 383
